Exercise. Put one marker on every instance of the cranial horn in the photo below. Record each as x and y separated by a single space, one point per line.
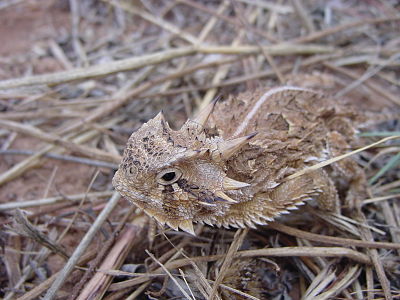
159 116
207 204
227 148
203 115
232 184
195 153
225 197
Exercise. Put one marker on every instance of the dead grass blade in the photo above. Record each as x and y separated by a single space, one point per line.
340 157
319 290
59 281
170 275
29 230
57 140
53 200
236 243
331 239
98 284
98 70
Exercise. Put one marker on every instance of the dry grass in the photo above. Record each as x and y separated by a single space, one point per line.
114 64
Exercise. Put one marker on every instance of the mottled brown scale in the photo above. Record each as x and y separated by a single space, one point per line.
236 177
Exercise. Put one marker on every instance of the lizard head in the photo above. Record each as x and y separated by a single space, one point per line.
178 176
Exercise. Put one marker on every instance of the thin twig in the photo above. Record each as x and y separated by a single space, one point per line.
86 240
337 158
53 200
70 158
331 239
98 70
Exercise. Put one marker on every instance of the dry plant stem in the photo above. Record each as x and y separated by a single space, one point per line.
33 161
60 55
120 98
98 70
39 289
344 281
274 7
246 296
374 255
19 168
53 200
11 257
202 36
233 249
372 86
280 252
362 79
380 199
51 293
370 283
275 252
70 158
303 15
340 157
219 75
227 19
37 236
239 79
393 221
27 272
331 239
44 113
99 283
319 34
100 256
201 281
157 21
78 208
75 19
59 141
275 50
324 277
187 284
388 186
170 275
267 55
140 61
138 291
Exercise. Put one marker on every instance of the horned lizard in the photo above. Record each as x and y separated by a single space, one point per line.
227 166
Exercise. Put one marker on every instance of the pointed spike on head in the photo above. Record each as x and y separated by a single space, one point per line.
232 184
195 153
159 116
227 148
207 204
187 225
203 115
225 197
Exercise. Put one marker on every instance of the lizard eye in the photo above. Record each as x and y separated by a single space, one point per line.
169 176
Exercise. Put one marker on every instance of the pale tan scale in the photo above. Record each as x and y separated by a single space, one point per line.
236 177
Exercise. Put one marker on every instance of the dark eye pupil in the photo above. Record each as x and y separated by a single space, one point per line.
168 176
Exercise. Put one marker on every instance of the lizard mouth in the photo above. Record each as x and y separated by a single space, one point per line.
132 195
